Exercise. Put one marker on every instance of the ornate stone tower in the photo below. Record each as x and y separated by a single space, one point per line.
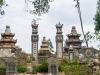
34 40
59 40
73 40
44 48
7 40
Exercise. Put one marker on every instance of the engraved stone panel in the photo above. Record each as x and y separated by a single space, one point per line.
35 49
59 50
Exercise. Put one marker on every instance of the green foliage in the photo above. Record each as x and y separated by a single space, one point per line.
74 68
40 6
96 35
93 37
2 68
40 53
50 45
2 3
29 60
21 69
97 18
43 68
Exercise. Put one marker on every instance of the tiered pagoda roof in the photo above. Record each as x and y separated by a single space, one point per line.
44 47
73 39
7 40
73 32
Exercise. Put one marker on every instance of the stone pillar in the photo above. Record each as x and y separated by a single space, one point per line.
59 41
34 41
71 53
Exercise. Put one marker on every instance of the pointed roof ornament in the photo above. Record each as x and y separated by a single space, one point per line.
73 31
44 39
59 25
8 30
44 45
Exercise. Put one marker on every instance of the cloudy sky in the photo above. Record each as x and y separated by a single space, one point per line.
62 11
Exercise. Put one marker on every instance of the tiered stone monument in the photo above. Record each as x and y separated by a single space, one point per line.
7 40
34 41
7 50
59 40
44 48
44 51
73 40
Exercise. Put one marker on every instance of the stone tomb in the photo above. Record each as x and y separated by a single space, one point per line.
11 63
52 65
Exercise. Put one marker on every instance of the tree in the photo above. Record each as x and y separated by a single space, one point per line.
95 36
40 6
50 45
79 11
97 18
2 3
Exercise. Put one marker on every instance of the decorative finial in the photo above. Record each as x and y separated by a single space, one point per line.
73 31
59 23
7 26
7 29
44 37
73 27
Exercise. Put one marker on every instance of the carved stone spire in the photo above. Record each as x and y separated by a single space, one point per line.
7 30
59 28
7 40
44 47
73 31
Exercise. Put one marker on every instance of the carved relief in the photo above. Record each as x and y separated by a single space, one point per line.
35 49
59 50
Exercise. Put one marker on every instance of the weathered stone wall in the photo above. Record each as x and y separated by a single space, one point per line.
2 63
22 59
42 59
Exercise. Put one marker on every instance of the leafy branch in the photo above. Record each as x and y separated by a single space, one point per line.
79 11
40 6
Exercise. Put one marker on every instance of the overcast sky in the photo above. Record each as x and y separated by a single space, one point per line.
62 11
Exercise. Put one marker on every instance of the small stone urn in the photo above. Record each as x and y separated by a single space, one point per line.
96 68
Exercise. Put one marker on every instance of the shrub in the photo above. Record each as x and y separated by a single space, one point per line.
21 69
41 53
41 68
2 68
74 68
29 60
